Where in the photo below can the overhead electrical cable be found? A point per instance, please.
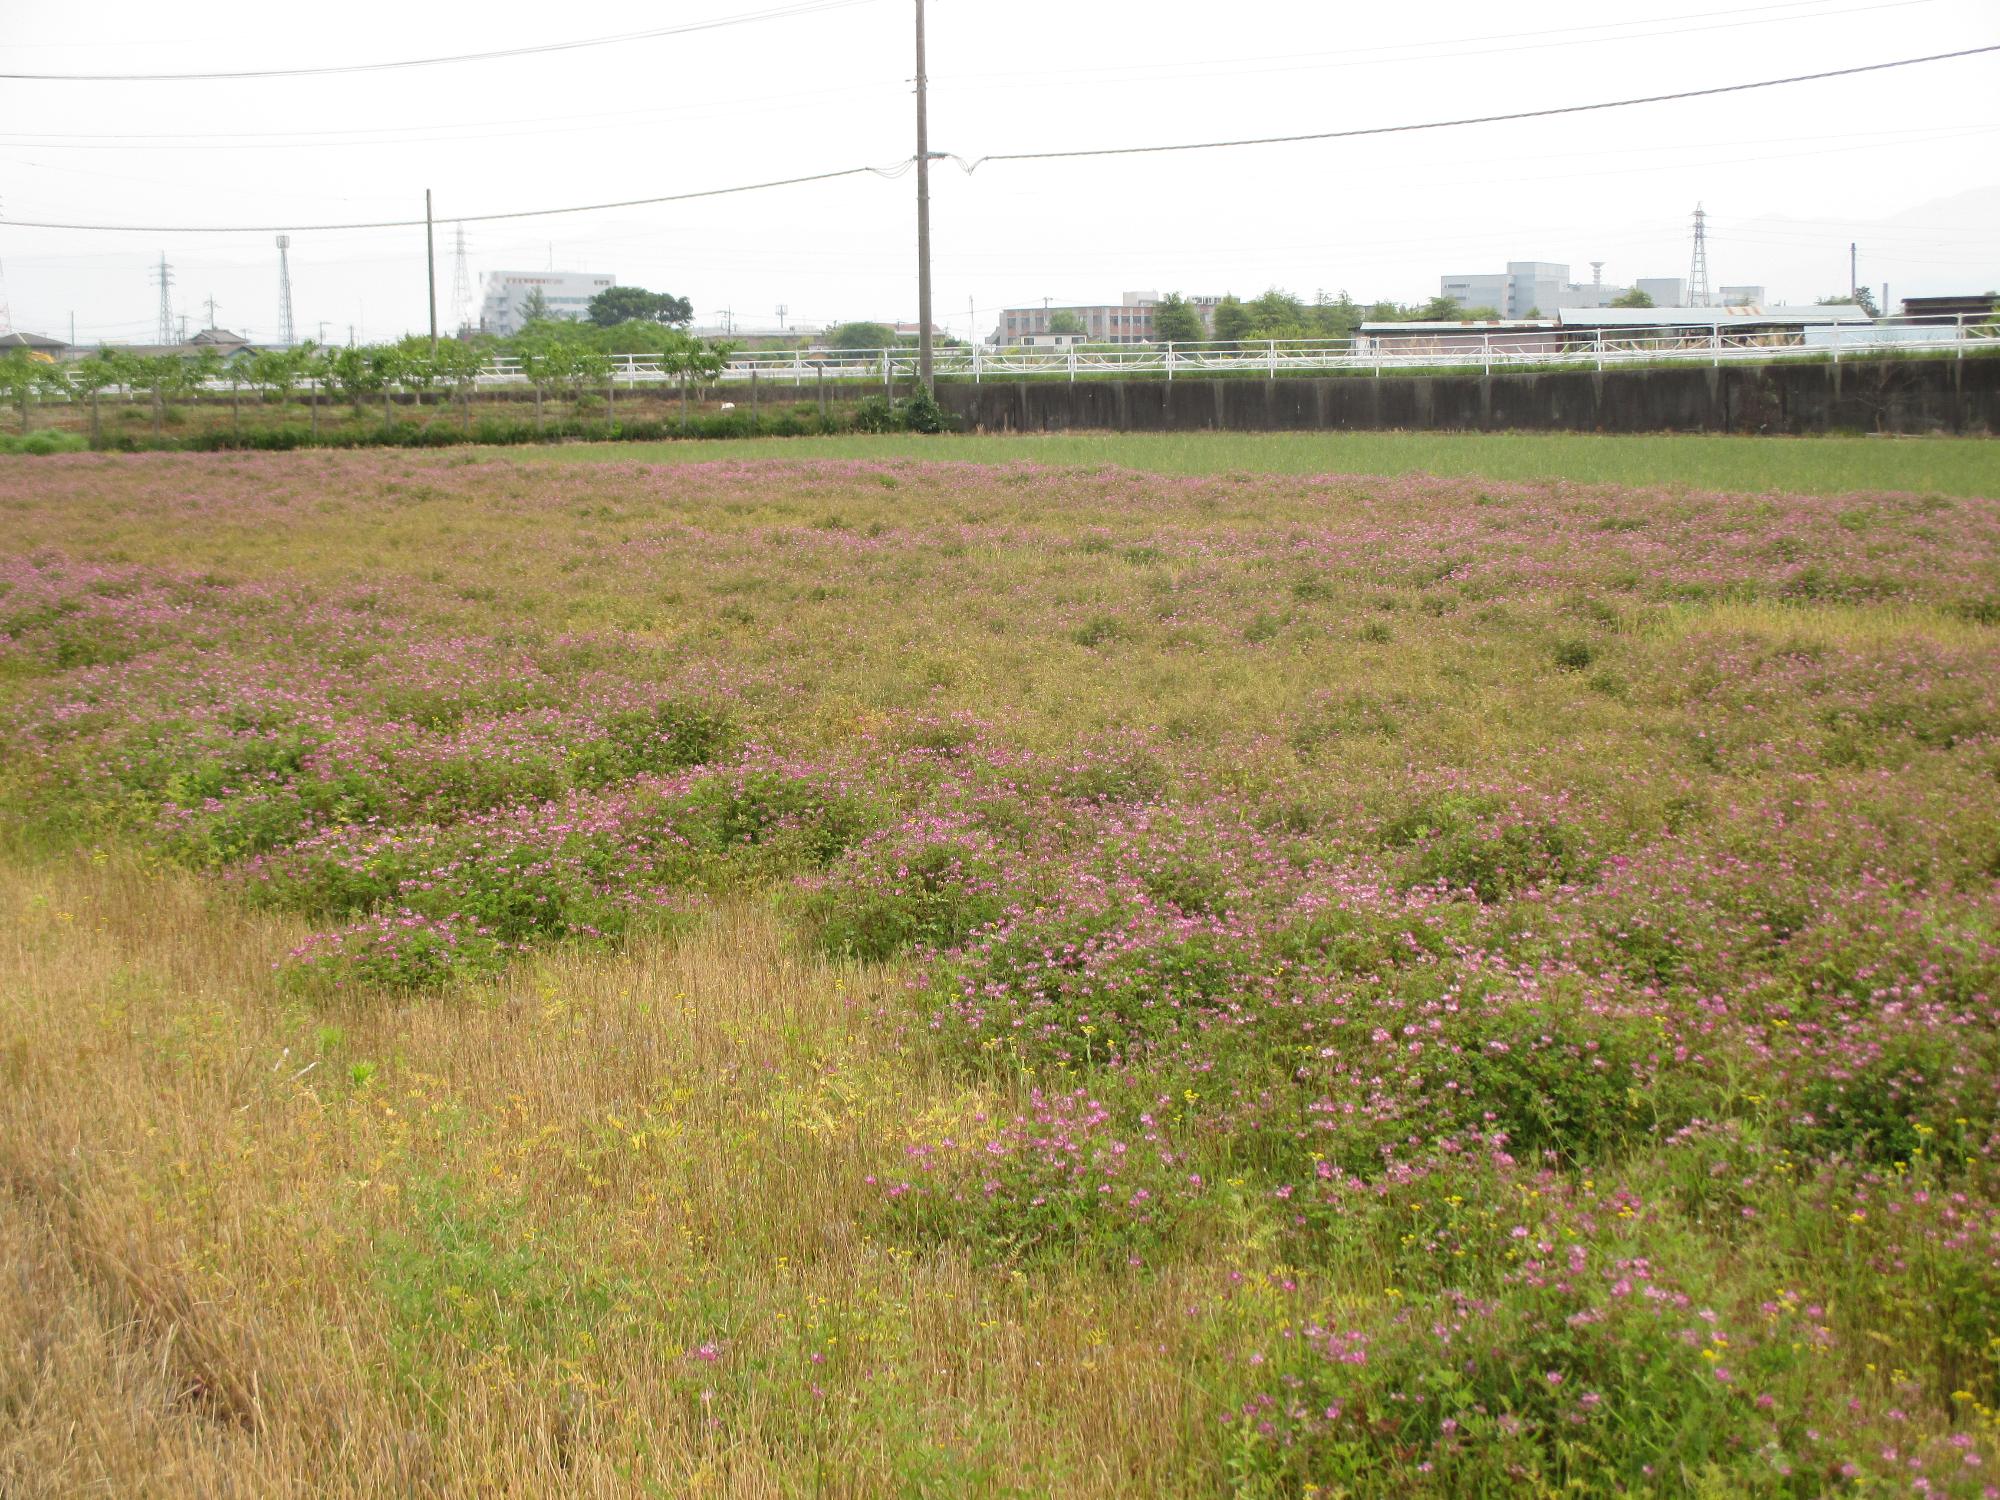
(713, 23)
(1425, 52)
(1523, 114)
(520, 213)
(903, 166)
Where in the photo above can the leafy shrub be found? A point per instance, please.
(925, 887)
(1574, 655)
(666, 737)
(43, 442)
(402, 951)
(1455, 841)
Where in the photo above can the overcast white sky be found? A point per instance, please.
(1904, 162)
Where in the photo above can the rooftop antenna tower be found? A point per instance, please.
(285, 338)
(163, 276)
(461, 284)
(1698, 269)
(1597, 273)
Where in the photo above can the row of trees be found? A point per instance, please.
(1281, 315)
(553, 354)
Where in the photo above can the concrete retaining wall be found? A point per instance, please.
(1878, 395)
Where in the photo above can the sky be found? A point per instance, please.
(1902, 163)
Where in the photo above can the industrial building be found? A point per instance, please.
(1537, 288)
(1127, 321)
(565, 294)
(1527, 288)
(1572, 326)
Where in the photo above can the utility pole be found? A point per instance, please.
(431, 270)
(923, 214)
(1853, 269)
(285, 293)
(209, 301)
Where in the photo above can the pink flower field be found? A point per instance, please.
(898, 977)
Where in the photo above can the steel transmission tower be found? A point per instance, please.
(163, 275)
(285, 291)
(1698, 270)
(461, 285)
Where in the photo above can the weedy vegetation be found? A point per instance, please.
(863, 976)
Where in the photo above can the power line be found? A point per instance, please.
(1525, 114)
(524, 213)
(1359, 57)
(714, 23)
(905, 165)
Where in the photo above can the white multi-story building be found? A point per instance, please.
(1527, 289)
(565, 294)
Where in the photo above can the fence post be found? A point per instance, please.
(1598, 344)
(1072, 364)
(1715, 344)
(1486, 351)
(975, 363)
(1272, 364)
(888, 376)
(1170, 359)
(1836, 343)
(1958, 335)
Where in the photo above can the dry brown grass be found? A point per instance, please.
(198, 1195)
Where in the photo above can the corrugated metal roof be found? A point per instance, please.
(1490, 325)
(1710, 317)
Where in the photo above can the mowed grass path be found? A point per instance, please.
(1798, 466)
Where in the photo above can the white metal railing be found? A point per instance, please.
(1486, 350)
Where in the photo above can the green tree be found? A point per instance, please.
(690, 361)
(1232, 320)
(1335, 317)
(458, 364)
(534, 308)
(1633, 298)
(1065, 322)
(1277, 315)
(21, 378)
(1177, 321)
(1861, 297)
(1439, 310)
(557, 355)
(634, 304)
(279, 371)
(355, 372)
(860, 336)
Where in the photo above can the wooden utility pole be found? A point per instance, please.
(923, 214)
